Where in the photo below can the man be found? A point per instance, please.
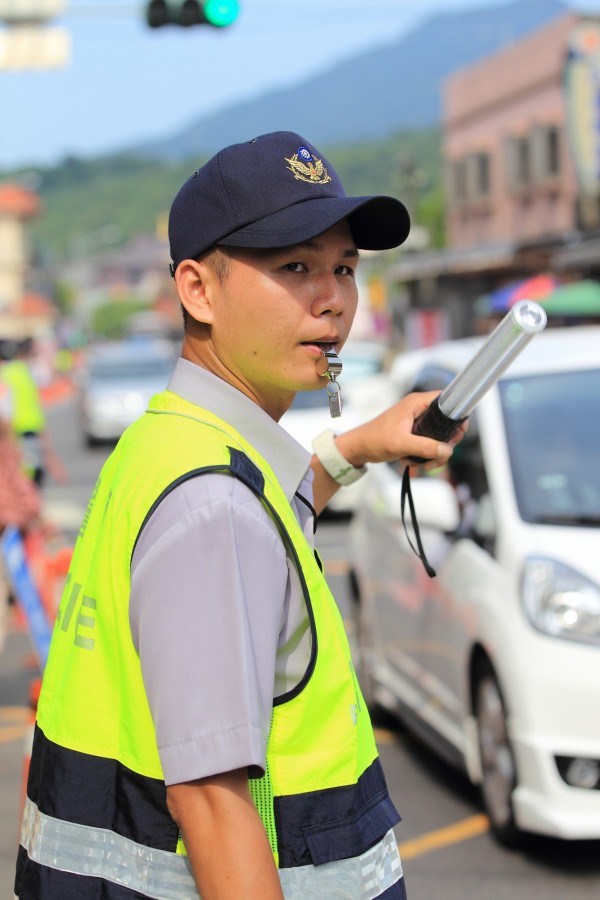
(200, 728)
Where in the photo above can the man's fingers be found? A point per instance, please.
(429, 449)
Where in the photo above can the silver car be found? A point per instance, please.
(117, 382)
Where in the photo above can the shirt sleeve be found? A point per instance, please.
(208, 588)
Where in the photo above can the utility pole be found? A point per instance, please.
(27, 41)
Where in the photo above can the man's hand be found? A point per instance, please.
(225, 838)
(387, 438)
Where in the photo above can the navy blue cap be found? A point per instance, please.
(274, 191)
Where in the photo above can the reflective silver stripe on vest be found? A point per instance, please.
(98, 852)
(363, 877)
(84, 850)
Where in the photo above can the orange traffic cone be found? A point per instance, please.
(48, 570)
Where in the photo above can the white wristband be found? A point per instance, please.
(332, 460)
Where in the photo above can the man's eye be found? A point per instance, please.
(345, 270)
(295, 267)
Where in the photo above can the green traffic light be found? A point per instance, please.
(217, 13)
(221, 13)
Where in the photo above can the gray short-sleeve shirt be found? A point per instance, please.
(216, 608)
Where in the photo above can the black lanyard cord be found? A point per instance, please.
(407, 494)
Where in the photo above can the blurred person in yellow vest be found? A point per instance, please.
(28, 419)
(20, 505)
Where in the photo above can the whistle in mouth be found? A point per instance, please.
(329, 365)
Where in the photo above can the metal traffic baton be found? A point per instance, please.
(444, 416)
(442, 419)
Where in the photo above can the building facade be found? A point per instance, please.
(17, 207)
(521, 150)
(509, 172)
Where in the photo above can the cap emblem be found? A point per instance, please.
(306, 167)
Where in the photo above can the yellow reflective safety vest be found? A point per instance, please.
(95, 813)
(27, 413)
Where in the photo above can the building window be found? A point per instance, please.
(457, 182)
(534, 159)
(546, 142)
(518, 162)
(523, 161)
(469, 178)
(478, 176)
(482, 174)
(553, 144)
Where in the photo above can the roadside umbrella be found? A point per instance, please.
(536, 288)
(579, 298)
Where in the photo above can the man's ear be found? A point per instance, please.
(194, 285)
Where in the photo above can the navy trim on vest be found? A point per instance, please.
(313, 511)
(339, 823)
(248, 472)
(318, 560)
(34, 881)
(64, 784)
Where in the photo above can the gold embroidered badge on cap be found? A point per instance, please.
(306, 167)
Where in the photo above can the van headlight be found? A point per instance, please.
(560, 601)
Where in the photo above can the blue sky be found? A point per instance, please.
(127, 83)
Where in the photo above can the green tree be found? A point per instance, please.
(111, 319)
(430, 213)
(64, 297)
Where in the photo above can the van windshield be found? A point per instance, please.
(553, 432)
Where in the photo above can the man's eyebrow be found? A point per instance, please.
(350, 253)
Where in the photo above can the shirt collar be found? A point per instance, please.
(288, 459)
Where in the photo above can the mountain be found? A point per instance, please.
(380, 138)
(392, 88)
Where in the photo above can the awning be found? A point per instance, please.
(583, 253)
(451, 261)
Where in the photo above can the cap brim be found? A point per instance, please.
(376, 223)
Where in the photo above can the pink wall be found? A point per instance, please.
(504, 96)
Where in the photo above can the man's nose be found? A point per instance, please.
(329, 298)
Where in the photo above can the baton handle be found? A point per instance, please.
(433, 423)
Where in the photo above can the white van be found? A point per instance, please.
(496, 661)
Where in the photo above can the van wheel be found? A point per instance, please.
(497, 758)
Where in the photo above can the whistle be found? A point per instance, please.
(329, 365)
